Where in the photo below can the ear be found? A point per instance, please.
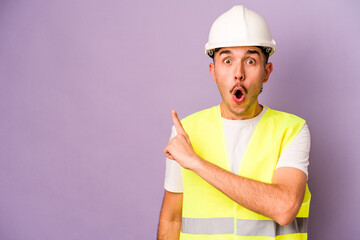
(212, 71)
(268, 70)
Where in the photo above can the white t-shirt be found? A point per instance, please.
(237, 136)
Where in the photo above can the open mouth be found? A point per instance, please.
(238, 95)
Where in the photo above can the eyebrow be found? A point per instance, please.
(225, 52)
(247, 52)
(252, 52)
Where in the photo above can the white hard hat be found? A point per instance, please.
(240, 27)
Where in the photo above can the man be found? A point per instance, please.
(243, 165)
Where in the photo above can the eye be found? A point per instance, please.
(250, 61)
(227, 60)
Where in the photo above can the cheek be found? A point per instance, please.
(222, 86)
(224, 75)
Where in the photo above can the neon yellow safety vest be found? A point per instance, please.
(207, 213)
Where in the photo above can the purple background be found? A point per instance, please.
(86, 90)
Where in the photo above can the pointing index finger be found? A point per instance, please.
(178, 126)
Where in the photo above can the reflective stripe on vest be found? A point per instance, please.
(245, 227)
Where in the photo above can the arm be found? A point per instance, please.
(279, 200)
(170, 216)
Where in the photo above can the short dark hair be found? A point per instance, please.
(266, 53)
(264, 50)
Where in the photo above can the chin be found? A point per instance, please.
(238, 110)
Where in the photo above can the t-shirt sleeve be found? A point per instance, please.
(173, 178)
(296, 155)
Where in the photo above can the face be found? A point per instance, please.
(239, 73)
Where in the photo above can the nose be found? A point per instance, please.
(239, 73)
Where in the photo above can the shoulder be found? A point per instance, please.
(285, 124)
(276, 115)
(281, 114)
(200, 115)
(201, 121)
